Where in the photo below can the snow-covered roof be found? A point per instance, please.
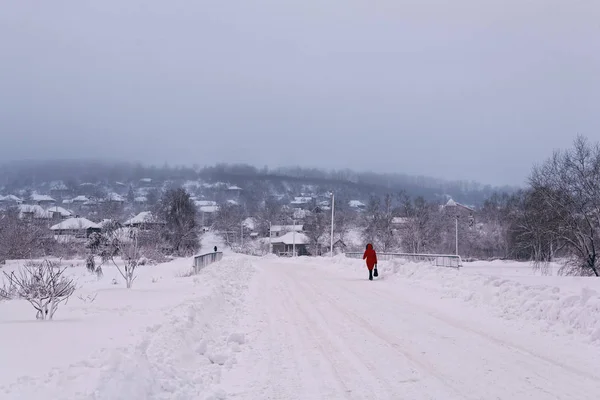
(62, 211)
(37, 211)
(234, 187)
(452, 203)
(356, 204)
(291, 238)
(146, 180)
(249, 223)
(80, 199)
(233, 202)
(41, 197)
(202, 203)
(142, 218)
(115, 197)
(75, 224)
(141, 199)
(301, 200)
(209, 209)
(10, 197)
(281, 228)
(67, 201)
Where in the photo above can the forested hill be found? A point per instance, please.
(41, 175)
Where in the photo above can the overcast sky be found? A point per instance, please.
(457, 89)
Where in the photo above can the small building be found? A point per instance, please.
(59, 213)
(75, 227)
(143, 221)
(357, 204)
(9, 201)
(30, 212)
(42, 199)
(280, 230)
(284, 245)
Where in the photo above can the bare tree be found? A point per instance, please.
(44, 286)
(19, 239)
(109, 245)
(178, 212)
(420, 228)
(315, 227)
(567, 186)
(228, 221)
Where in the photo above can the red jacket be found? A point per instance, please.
(370, 256)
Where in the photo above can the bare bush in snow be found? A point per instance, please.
(109, 246)
(43, 285)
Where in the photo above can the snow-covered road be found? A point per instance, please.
(315, 332)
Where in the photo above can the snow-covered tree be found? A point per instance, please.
(43, 285)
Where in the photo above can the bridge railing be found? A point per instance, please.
(202, 260)
(439, 260)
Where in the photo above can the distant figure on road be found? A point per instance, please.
(215, 249)
(371, 258)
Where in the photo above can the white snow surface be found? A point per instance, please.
(309, 328)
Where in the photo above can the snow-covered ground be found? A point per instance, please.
(310, 328)
(166, 338)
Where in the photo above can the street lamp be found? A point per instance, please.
(332, 214)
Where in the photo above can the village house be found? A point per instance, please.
(42, 199)
(284, 245)
(280, 230)
(143, 221)
(74, 228)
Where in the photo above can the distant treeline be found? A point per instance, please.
(33, 174)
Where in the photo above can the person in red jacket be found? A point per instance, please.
(371, 258)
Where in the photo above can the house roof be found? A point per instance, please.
(10, 197)
(203, 203)
(291, 238)
(249, 223)
(62, 211)
(41, 197)
(209, 209)
(356, 203)
(75, 224)
(280, 228)
(37, 211)
(141, 218)
(452, 203)
(81, 199)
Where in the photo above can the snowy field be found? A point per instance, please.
(309, 328)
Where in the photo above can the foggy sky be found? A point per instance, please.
(462, 89)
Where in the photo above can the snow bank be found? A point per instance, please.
(168, 337)
(511, 290)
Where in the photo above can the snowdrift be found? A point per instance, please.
(560, 304)
(168, 337)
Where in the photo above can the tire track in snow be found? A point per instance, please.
(367, 363)
(391, 342)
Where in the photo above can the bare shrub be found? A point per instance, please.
(109, 246)
(43, 285)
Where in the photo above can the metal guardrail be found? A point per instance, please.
(203, 260)
(439, 260)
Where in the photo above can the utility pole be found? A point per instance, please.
(242, 234)
(270, 239)
(294, 239)
(332, 215)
